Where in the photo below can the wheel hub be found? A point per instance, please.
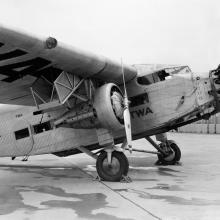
(169, 151)
(170, 157)
(113, 168)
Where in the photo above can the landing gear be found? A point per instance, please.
(168, 151)
(173, 153)
(112, 164)
(113, 170)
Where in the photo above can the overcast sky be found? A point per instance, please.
(140, 31)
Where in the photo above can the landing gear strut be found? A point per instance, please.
(112, 170)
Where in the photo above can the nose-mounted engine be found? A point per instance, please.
(105, 110)
(215, 74)
(215, 77)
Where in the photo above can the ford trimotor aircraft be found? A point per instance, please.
(72, 101)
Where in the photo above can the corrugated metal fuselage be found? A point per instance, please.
(155, 107)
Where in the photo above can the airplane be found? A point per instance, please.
(67, 101)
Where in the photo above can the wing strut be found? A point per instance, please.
(57, 94)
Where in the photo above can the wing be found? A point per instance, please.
(25, 58)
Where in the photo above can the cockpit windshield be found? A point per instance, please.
(163, 74)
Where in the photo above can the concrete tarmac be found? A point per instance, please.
(48, 187)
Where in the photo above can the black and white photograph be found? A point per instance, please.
(110, 110)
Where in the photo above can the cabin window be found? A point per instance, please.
(146, 79)
(23, 133)
(39, 128)
(138, 100)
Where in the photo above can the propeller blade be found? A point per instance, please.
(126, 114)
(127, 124)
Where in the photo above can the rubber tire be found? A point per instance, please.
(176, 158)
(124, 166)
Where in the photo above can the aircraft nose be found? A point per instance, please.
(217, 85)
(215, 75)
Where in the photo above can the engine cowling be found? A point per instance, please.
(108, 105)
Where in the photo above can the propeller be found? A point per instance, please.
(126, 114)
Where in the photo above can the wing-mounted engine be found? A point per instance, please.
(104, 110)
(108, 104)
(86, 104)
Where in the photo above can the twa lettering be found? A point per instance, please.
(141, 112)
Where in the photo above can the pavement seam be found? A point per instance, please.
(137, 205)
(129, 200)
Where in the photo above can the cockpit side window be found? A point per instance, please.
(163, 74)
(145, 80)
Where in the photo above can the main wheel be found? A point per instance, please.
(112, 172)
(174, 154)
